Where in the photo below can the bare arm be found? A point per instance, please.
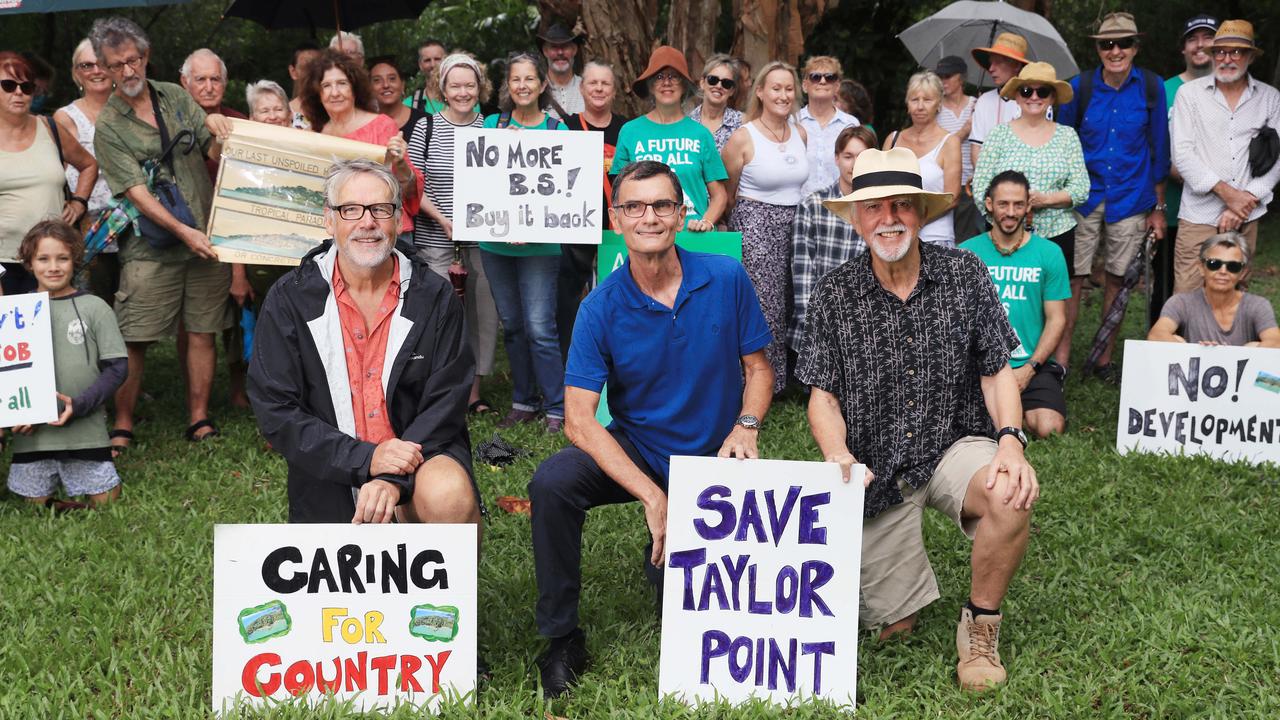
(1269, 338)
(829, 430)
(1165, 330)
(756, 397)
(717, 203)
(950, 156)
(1004, 402)
(80, 159)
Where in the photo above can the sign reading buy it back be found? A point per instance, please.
(378, 614)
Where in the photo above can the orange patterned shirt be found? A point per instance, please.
(366, 349)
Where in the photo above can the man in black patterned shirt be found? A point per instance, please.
(906, 350)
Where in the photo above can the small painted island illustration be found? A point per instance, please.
(284, 245)
(263, 622)
(292, 197)
(434, 623)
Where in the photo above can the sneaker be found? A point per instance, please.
(1107, 373)
(555, 425)
(978, 645)
(515, 417)
(564, 660)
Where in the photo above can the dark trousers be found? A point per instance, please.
(1162, 271)
(563, 488)
(577, 268)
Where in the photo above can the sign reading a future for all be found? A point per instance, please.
(1221, 401)
(377, 614)
(28, 395)
(761, 588)
(528, 186)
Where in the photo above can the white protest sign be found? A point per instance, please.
(28, 395)
(761, 590)
(1221, 401)
(381, 614)
(528, 186)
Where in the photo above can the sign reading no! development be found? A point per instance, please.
(378, 614)
(760, 597)
(528, 186)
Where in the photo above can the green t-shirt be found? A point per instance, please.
(84, 332)
(1034, 274)
(528, 249)
(687, 146)
(1172, 188)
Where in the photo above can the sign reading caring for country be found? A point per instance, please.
(28, 395)
(1221, 401)
(528, 186)
(760, 597)
(378, 614)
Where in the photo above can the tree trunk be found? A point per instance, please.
(692, 29)
(620, 32)
(775, 29)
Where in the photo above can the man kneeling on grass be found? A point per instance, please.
(361, 370)
(906, 350)
(671, 331)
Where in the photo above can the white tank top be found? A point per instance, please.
(776, 172)
(84, 133)
(941, 231)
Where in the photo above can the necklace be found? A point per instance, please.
(782, 145)
(1018, 246)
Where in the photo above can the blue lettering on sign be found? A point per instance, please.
(763, 658)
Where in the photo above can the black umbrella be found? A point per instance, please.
(340, 14)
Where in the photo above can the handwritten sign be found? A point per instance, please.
(528, 186)
(268, 203)
(760, 597)
(378, 614)
(28, 395)
(1220, 401)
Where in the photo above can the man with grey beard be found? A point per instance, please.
(361, 370)
(906, 352)
(1214, 121)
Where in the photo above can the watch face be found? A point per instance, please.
(749, 421)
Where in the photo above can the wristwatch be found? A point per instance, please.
(1036, 365)
(1014, 431)
(750, 422)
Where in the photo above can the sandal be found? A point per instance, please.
(191, 436)
(480, 407)
(117, 449)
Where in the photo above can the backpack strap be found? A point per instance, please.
(552, 122)
(57, 139)
(426, 144)
(1083, 94)
(504, 120)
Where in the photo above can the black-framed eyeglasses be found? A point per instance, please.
(714, 80)
(1233, 266)
(1041, 91)
(354, 211)
(1122, 43)
(28, 87)
(665, 76)
(1235, 52)
(821, 77)
(134, 63)
(635, 208)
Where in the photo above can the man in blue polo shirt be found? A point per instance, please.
(1119, 112)
(672, 332)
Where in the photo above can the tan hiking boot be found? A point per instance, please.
(978, 644)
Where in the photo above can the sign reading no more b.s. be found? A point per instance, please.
(527, 186)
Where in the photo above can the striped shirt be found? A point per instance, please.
(436, 165)
(952, 123)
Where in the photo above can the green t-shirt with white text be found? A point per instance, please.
(1025, 280)
(686, 146)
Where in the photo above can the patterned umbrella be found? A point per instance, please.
(1140, 265)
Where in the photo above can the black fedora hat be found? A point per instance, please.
(558, 33)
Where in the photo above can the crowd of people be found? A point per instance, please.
(921, 285)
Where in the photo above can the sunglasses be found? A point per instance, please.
(1043, 92)
(1122, 43)
(820, 77)
(1233, 266)
(28, 87)
(714, 80)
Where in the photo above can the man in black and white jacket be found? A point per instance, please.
(361, 370)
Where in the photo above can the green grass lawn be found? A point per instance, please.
(1147, 590)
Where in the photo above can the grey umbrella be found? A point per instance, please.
(16, 7)
(962, 26)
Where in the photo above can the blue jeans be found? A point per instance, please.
(524, 289)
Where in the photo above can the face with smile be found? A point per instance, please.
(52, 266)
(1117, 60)
(776, 93)
(1008, 207)
(1034, 106)
(205, 82)
(598, 88)
(89, 73)
(335, 92)
(365, 242)
(127, 68)
(1222, 279)
(269, 108)
(388, 86)
(1196, 49)
(524, 85)
(429, 58)
(1231, 64)
(1002, 69)
(461, 88)
(650, 232)
(560, 57)
(888, 225)
(718, 95)
(667, 87)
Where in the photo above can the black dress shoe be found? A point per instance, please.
(564, 660)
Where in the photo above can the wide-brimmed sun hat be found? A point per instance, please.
(1007, 44)
(1038, 73)
(888, 173)
(662, 56)
(559, 35)
(1236, 34)
(1117, 25)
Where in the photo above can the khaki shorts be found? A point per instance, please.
(1187, 272)
(1123, 238)
(897, 579)
(154, 296)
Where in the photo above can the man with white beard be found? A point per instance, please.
(361, 370)
(906, 352)
(1214, 121)
(560, 46)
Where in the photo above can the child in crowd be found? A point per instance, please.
(90, 362)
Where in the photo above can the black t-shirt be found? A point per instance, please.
(406, 130)
(577, 122)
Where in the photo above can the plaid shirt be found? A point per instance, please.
(822, 242)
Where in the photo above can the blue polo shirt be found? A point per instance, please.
(674, 374)
(1118, 135)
